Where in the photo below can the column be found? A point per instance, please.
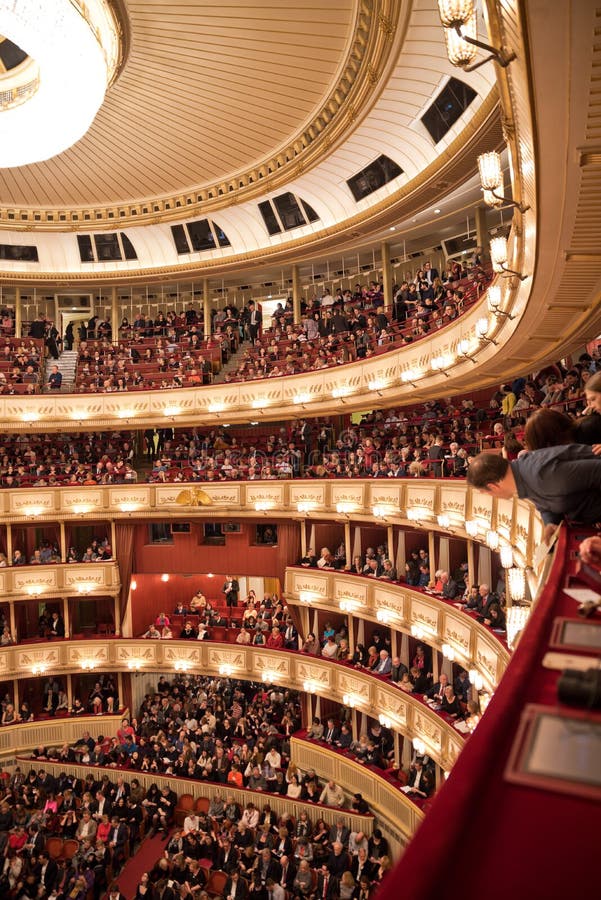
(406, 753)
(63, 542)
(443, 553)
(394, 643)
(397, 749)
(206, 309)
(390, 542)
(386, 273)
(69, 691)
(114, 316)
(296, 294)
(432, 554)
(471, 567)
(351, 633)
(303, 537)
(435, 665)
(9, 543)
(18, 313)
(113, 539)
(120, 692)
(308, 709)
(482, 231)
(354, 725)
(12, 620)
(404, 651)
(16, 700)
(117, 615)
(347, 544)
(66, 615)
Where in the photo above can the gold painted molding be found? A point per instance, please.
(440, 622)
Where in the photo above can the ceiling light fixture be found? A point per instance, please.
(51, 99)
(462, 45)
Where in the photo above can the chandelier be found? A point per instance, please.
(71, 52)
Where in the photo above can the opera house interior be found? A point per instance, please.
(300, 397)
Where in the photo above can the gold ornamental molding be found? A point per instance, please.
(407, 502)
(409, 716)
(17, 739)
(379, 28)
(401, 609)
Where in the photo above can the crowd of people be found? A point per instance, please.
(233, 734)
(101, 699)
(48, 460)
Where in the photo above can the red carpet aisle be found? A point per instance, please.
(150, 850)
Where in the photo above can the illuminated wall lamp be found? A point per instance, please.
(306, 598)
(39, 669)
(80, 509)
(264, 505)
(491, 179)
(492, 539)
(459, 20)
(226, 670)
(517, 584)
(498, 255)
(439, 364)
(165, 577)
(344, 507)
(88, 665)
(448, 652)
(129, 507)
(350, 700)
(443, 520)
(216, 407)
(385, 721)
(80, 415)
(309, 686)
(133, 585)
(181, 665)
(385, 616)
(517, 616)
(419, 746)
(418, 631)
(306, 506)
(476, 679)
(377, 385)
(381, 510)
(410, 376)
(134, 665)
(33, 511)
(494, 302)
(506, 554)
(464, 350)
(269, 676)
(172, 411)
(339, 392)
(349, 606)
(30, 417)
(301, 399)
(471, 528)
(34, 590)
(260, 403)
(85, 587)
(126, 413)
(482, 329)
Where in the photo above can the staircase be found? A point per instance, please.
(67, 365)
(232, 363)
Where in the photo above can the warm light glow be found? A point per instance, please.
(517, 584)
(39, 669)
(471, 527)
(172, 410)
(181, 665)
(411, 375)
(309, 686)
(418, 632)
(216, 407)
(498, 250)
(88, 664)
(350, 700)
(34, 511)
(476, 679)
(385, 721)
(418, 513)
(129, 507)
(506, 554)
(80, 509)
(448, 652)
(75, 56)
(377, 384)
(461, 53)
(492, 539)
(443, 520)
(34, 590)
(384, 615)
(419, 746)
(495, 200)
(269, 676)
(264, 505)
(455, 12)
(464, 346)
(134, 665)
(165, 577)
(125, 413)
(342, 391)
(306, 598)
(302, 398)
(517, 616)
(345, 507)
(305, 506)
(381, 510)
(349, 606)
(260, 403)
(494, 297)
(30, 416)
(491, 172)
(482, 327)
(85, 587)
(226, 670)
(134, 585)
